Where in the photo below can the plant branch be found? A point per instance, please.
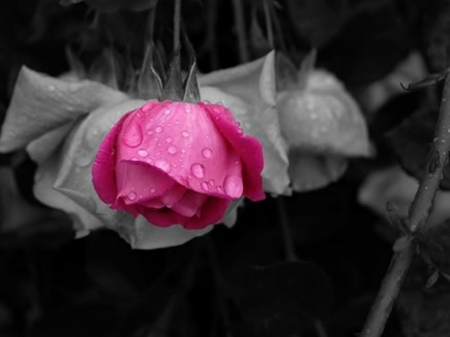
(241, 32)
(288, 244)
(176, 26)
(269, 26)
(405, 247)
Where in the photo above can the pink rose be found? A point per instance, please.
(178, 163)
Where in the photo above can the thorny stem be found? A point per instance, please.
(176, 26)
(241, 33)
(269, 26)
(288, 243)
(419, 211)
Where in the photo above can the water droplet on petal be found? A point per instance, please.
(204, 186)
(150, 132)
(158, 129)
(51, 88)
(188, 109)
(134, 159)
(233, 186)
(132, 135)
(167, 112)
(211, 182)
(142, 153)
(177, 122)
(153, 191)
(132, 196)
(172, 149)
(240, 131)
(169, 140)
(183, 151)
(163, 165)
(198, 170)
(219, 189)
(185, 134)
(207, 152)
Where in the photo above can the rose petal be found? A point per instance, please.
(145, 236)
(84, 221)
(323, 118)
(312, 171)
(211, 212)
(247, 147)
(41, 103)
(43, 147)
(182, 141)
(189, 204)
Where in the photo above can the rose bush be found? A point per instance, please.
(178, 163)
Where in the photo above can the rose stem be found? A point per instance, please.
(419, 211)
(288, 243)
(176, 26)
(211, 33)
(241, 33)
(269, 26)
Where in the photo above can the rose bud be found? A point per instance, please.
(178, 163)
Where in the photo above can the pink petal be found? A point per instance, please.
(103, 172)
(163, 218)
(139, 181)
(247, 147)
(211, 212)
(189, 204)
(181, 140)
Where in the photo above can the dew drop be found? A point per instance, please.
(204, 186)
(233, 186)
(142, 153)
(163, 165)
(188, 109)
(132, 135)
(158, 129)
(198, 170)
(183, 151)
(153, 191)
(172, 149)
(150, 132)
(207, 152)
(219, 189)
(177, 122)
(211, 182)
(134, 159)
(167, 112)
(51, 88)
(185, 134)
(169, 140)
(132, 196)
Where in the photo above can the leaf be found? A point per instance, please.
(248, 91)
(41, 103)
(410, 142)
(284, 298)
